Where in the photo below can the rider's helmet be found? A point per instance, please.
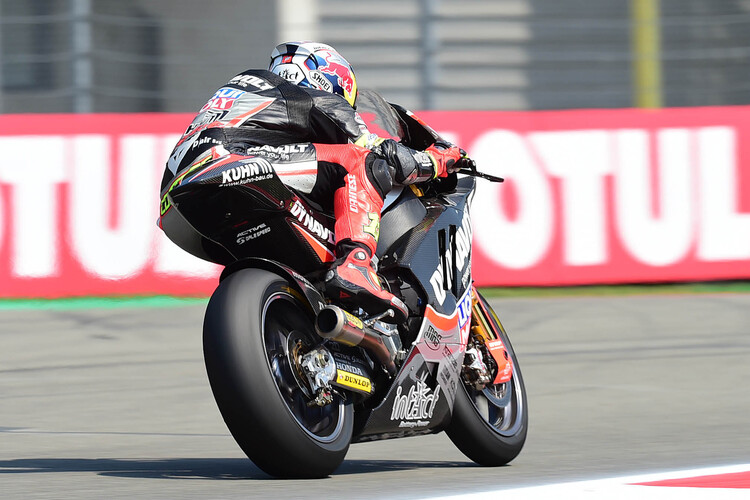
(315, 65)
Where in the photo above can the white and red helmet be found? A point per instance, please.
(315, 65)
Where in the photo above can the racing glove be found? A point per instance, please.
(465, 162)
(409, 166)
(446, 158)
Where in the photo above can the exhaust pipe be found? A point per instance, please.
(334, 323)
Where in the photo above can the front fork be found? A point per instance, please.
(486, 361)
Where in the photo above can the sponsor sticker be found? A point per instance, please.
(354, 381)
(313, 225)
(337, 66)
(321, 80)
(254, 169)
(354, 320)
(223, 99)
(415, 408)
(461, 243)
(250, 80)
(464, 309)
(353, 202)
(432, 338)
(252, 233)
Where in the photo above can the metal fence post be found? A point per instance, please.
(429, 50)
(82, 64)
(646, 43)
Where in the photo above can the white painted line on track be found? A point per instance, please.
(706, 484)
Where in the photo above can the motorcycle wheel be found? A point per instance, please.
(253, 324)
(489, 426)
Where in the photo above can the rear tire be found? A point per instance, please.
(246, 343)
(490, 426)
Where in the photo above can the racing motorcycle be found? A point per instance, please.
(297, 377)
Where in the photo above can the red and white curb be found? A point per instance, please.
(716, 483)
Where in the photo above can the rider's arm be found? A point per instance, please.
(410, 166)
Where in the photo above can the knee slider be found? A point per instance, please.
(378, 174)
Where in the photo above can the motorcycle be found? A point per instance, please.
(298, 378)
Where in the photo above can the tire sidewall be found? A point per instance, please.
(245, 389)
(474, 436)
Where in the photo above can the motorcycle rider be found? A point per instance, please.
(308, 98)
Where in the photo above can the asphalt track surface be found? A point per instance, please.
(114, 403)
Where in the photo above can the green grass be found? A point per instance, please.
(100, 302)
(609, 290)
(567, 291)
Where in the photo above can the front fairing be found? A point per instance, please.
(437, 254)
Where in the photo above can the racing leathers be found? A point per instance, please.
(320, 147)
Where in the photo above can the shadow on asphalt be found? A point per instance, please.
(197, 468)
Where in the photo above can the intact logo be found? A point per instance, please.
(223, 99)
(416, 407)
(313, 225)
(254, 169)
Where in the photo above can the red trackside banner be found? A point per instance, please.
(595, 196)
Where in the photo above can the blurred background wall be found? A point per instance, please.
(168, 55)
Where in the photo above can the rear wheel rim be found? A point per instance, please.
(283, 316)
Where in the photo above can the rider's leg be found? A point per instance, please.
(357, 204)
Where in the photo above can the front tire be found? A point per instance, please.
(253, 323)
(490, 426)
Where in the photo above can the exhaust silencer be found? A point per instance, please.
(334, 323)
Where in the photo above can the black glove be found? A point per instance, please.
(465, 162)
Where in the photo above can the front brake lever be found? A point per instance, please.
(476, 173)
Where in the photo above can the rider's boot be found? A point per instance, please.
(352, 280)
(357, 206)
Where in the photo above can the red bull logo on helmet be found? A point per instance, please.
(335, 65)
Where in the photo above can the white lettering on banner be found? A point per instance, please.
(102, 250)
(522, 242)
(662, 240)
(171, 259)
(724, 234)
(580, 159)
(32, 229)
(677, 204)
(34, 178)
